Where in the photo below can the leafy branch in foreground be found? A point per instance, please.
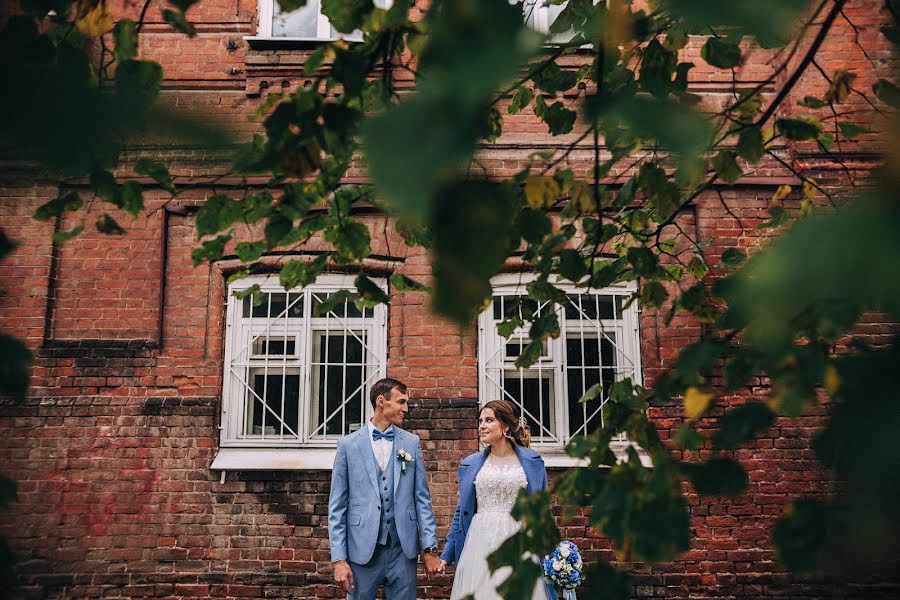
(778, 313)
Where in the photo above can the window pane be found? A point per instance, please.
(281, 304)
(337, 383)
(590, 306)
(532, 391)
(322, 308)
(588, 361)
(507, 307)
(280, 391)
(274, 346)
(301, 22)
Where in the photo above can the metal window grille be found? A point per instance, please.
(598, 343)
(298, 371)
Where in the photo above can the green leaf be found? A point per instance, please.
(298, 273)
(107, 225)
(250, 251)
(277, 228)
(551, 79)
(64, 236)
(350, 239)
(687, 437)
(15, 363)
(541, 191)
(402, 283)
(721, 53)
(742, 424)
(726, 167)
(65, 203)
(509, 326)
(557, 117)
(887, 92)
(732, 258)
(211, 250)
(591, 393)
(533, 225)
(126, 40)
(138, 81)
(315, 60)
(652, 293)
(370, 292)
(9, 489)
(129, 197)
(840, 87)
(347, 15)
(717, 477)
(520, 100)
(851, 130)
(778, 217)
(799, 129)
(643, 260)
(802, 535)
(217, 213)
(750, 145)
(657, 67)
(811, 102)
(157, 171)
(333, 301)
(7, 245)
(662, 193)
(179, 22)
(471, 226)
(697, 267)
(572, 265)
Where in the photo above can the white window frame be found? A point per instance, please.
(242, 450)
(324, 31)
(492, 359)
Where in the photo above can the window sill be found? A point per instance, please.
(556, 459)
(273, 459)
(267, 42)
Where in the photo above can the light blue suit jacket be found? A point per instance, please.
(354, 505)
(535, 473)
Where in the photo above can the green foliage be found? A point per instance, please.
(716, 477)
(721, 53)
(15, 363)
(799, 129)
(741, 424)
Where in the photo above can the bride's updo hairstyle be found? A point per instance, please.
(518, 433)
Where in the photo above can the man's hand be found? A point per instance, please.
(343, 575)
(432, 563)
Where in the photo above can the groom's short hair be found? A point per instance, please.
(383, 387)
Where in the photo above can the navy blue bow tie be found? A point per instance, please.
(388, 435)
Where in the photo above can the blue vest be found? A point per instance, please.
(387, 529)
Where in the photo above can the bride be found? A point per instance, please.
(489, 482)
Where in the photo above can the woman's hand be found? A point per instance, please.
(441, 566)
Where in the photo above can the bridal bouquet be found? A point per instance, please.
(563, 568)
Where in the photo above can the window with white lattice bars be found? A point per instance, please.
(298, 365)
(598, 344)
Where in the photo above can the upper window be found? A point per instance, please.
(598, 344)
(298, 366)
(304, 23)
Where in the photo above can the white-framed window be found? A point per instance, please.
(297, 375)
(598, 343)
(305, 23)
(540, 15)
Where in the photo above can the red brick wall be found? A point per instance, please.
(113, 447)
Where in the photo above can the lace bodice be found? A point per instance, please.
(498, 482)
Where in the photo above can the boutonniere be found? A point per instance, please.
(404, 457)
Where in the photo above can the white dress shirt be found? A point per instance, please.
(381, 448)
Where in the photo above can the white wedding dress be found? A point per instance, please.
(496, 487)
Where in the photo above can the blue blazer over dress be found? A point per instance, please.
(535, 474)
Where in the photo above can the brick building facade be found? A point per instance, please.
(114, 449)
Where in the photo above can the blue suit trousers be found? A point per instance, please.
(388, 566)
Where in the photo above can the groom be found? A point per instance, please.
(380, 503)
